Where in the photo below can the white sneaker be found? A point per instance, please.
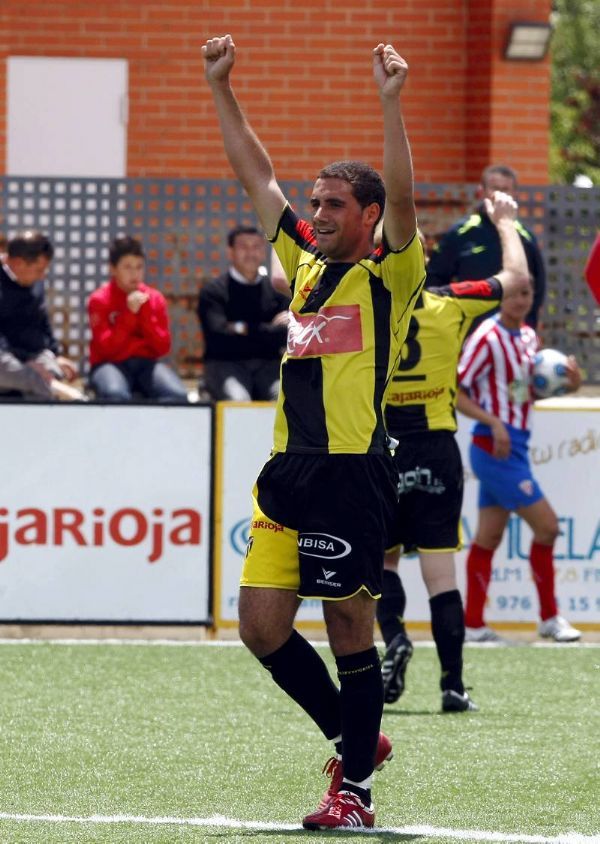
(65, 392)
(483, 634)
(559, 629)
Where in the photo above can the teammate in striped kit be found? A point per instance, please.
(495, 379)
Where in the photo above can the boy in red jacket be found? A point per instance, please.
(130, 333)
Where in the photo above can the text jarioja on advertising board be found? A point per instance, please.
(105, 513)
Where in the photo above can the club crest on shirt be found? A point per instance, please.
(526, 486)
(333, 330)
(518, 391)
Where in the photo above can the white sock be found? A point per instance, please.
(366, 783)
(335, 741)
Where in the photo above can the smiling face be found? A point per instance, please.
(128, 272)
(343, 230)
(247, 254)
(515, 306)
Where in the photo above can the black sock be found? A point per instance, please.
(448, 629)
(361, 697)
(298, 669)
(391, 606)
(363, 793)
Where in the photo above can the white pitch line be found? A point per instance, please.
(233, 823)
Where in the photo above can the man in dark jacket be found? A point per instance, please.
(244, 321)
(471, 248)
(30, 361)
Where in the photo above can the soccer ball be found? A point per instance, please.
(549, 374)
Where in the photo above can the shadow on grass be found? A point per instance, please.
(408, 712)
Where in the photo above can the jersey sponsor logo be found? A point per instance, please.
(323, 545)
(328, 581)
(333, 584)
(332, 331)
(420, 478)
(305, 292)
(261, 524)
(416, 396)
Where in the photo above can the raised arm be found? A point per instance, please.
(400, 220)
(247, 156)
(502, 211)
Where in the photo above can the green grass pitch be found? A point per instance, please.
(142, 735)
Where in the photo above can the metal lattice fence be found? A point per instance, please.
(183, 225)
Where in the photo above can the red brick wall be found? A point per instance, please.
(507, 117)
(303, 75)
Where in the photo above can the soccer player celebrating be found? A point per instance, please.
(323, 500)
(495, 380)
(420, 413)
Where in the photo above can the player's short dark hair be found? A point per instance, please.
(122, 246)
(238, 230)
(30, 245)
(499, 170)
(366, 183)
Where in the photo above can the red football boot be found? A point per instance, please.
(345, 809)
(335, 769)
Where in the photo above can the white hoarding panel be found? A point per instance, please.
(566, 457)
(105, 513)
(246, 437)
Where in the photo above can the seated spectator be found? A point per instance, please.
(130, 333)
(30, 363)
(244, 320)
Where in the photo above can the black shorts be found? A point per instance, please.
(430, 493)
(341, 506)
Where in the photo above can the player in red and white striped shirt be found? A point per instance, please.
(495, 378)
(496, 367)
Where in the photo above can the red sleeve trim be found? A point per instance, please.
(484, 289)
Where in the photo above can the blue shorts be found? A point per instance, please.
(505, 483)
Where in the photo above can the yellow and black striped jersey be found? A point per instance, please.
(347, 325)
(422, 394)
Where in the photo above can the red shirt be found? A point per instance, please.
(118, 334)
(592, 269)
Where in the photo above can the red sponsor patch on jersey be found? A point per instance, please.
(331, 331)
(305, 292)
